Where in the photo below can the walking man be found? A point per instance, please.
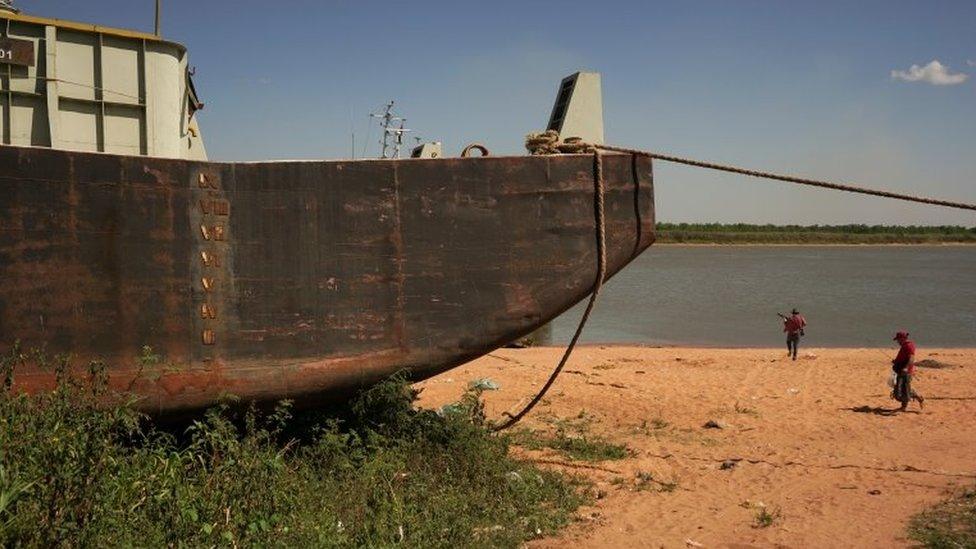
(904, 367)
(793, 326)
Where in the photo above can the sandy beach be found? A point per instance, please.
(812, 441)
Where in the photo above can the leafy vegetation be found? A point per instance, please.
(950, 524)
(75, 472)
(745, 233)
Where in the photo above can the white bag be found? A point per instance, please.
(892, 380)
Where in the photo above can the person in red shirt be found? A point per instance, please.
(793, 326)
(904, 367)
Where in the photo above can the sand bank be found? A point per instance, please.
(813, 439)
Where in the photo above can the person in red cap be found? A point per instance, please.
(793, 326)
(904, 367)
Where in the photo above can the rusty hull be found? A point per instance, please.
(300, 280)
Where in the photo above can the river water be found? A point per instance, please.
(851, 296)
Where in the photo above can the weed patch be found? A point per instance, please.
(766, 517)
(578, 424)
(646, 481)
(578, 447)
(643, 481)
(649, 427)
(951, 523)
(587, 449)
(745, 410)
(378, 472)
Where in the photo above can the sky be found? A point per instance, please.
(876, 93)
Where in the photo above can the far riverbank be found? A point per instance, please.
(743, 233)
(818, 244)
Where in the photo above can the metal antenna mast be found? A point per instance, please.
(158, 11)
(387, 121)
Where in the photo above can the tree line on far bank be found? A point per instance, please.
(736, 233)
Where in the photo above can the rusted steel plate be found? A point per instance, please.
(17, 52)
(299, 280)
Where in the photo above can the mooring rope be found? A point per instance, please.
(791, 179)
(549, 143)
(601, 271)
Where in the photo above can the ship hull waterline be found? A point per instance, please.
(301, 280)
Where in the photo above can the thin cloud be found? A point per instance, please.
(971, 63)
(934, 73)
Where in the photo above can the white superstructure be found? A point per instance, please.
(84, 87)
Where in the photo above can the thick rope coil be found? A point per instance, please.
(542, 143)
(601, 272)
(549, 142)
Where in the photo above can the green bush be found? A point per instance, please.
(378, 472)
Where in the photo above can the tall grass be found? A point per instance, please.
(75, 472)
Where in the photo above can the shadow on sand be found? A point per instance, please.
(879, 411)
